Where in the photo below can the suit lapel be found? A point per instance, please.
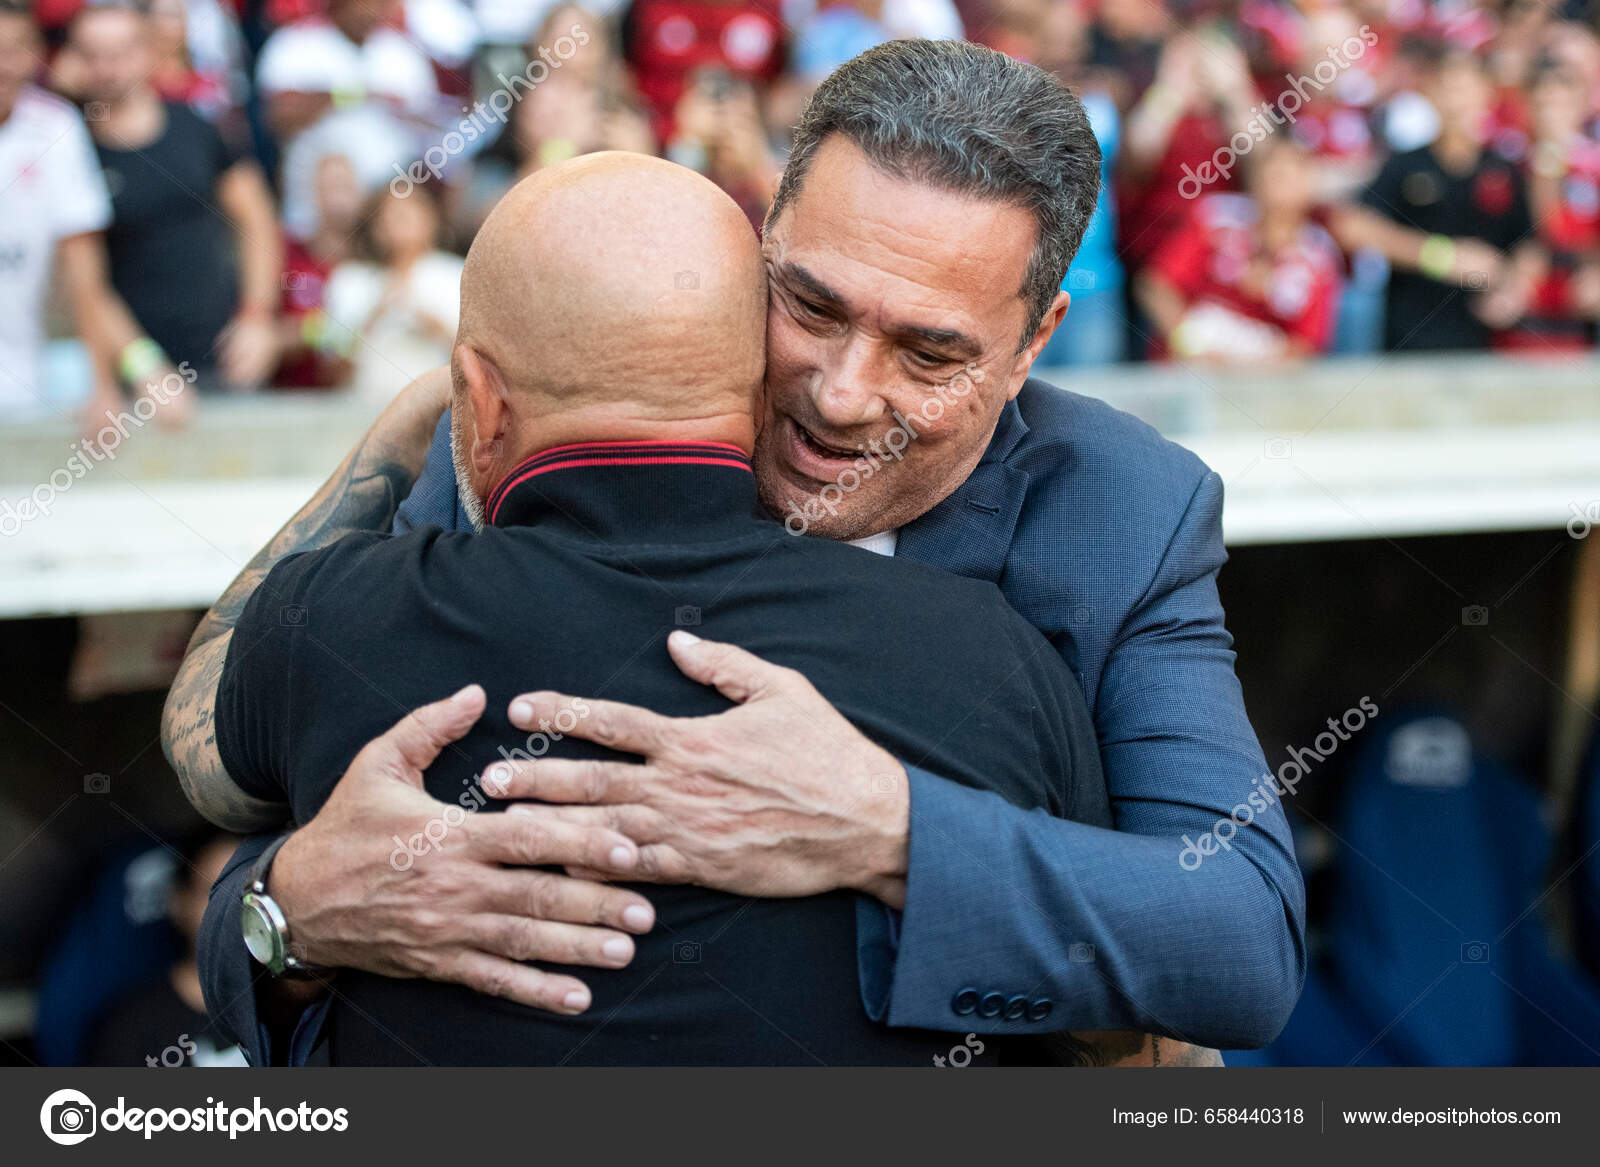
(970, 532)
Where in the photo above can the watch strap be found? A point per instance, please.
(288, 965)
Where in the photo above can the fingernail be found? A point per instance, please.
(496, 778)
(684, 639)
(617, 949)
(638, 917)
(621, 856)
(461, 696)
(577, 1000)
(521, 712)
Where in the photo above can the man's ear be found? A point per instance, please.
(1053, 316)
(491, 414)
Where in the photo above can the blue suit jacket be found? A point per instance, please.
(1108, 538)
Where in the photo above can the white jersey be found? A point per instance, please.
(50, 189)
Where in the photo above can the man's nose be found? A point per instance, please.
(847, 391)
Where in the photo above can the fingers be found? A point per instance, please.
(417, 738)
(637, 825)
(535, 836)
(567, 780)
(522, 939)
(738, 675)
(498, 977)
(608, 723)
(663, 863)
(543, 895)
(658, 863)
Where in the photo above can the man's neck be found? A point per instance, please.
(1457, 150)
(1280, 229)
(133, 122)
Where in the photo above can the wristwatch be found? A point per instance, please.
(266, 932)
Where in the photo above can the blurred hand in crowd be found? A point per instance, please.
(1586, 290)
(248, 348)
(721, 133)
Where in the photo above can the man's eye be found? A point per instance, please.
(810, 309)
(926, 358)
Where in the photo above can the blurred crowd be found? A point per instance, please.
(246, 194)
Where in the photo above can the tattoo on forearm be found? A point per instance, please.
(362, 495)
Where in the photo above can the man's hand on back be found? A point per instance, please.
(468, 912)
(779, 796)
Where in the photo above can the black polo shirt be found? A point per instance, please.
(595, 554)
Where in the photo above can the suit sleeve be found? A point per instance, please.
(227, 974)
(1126, 929)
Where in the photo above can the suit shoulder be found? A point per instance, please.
(1099, 443)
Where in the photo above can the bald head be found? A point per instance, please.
(612, 297)
(619, 278)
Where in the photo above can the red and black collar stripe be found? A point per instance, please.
(589, 454)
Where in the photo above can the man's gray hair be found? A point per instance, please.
(970, 120)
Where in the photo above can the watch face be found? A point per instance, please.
(259, 935)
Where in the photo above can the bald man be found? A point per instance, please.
(605, 380)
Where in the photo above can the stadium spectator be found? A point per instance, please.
(1563, 176)
(1452, 219)
(193, 241)
(305, 363)
(721, 133)
(597, 62)
(1440, 94)
(1202, 94)
(393, 310)
(567, 115)
(1251, 278)
(53, 207)
(202, 68)
(1335, 123)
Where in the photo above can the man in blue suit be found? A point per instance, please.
(931, 205)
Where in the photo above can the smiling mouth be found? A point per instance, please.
(823, 449)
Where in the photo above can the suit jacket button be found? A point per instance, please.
(964, 1002)
(1040, 1009)
(991, 1005)
(1016, 1008)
